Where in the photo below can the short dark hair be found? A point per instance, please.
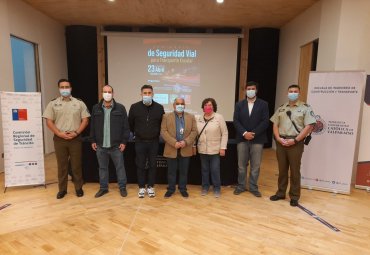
(294, 86)
(252, 83)
(64, 80)
(108, 86)
(146, 86)
(213, 102)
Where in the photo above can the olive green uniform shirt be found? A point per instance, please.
(66, 114)
(301, 113)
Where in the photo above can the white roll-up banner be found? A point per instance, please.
(329, 159)
(23, 138)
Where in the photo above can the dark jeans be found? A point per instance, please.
(146, 152)
(181, 163)
(116, 155)
(210, 165)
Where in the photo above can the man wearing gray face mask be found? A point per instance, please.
(251, 120)
(178, 130)
(109, 134)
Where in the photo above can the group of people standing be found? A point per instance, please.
(184, 135)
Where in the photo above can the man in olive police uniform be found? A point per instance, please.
(292, 122)
(67, 117)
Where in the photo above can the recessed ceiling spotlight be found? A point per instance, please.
(111, 0)
(220, 1)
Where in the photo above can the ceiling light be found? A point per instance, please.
(111, 0)
(220, 1)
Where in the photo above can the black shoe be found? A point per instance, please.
(80, 193)
(101, 192)
(238, 191)
(184, 193)
(293, 202)
(276, 198)
(168, 194)
(61, 194)
(256, 193)
(123, 192)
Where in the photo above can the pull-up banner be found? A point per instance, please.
(23, 139)
(328, 161)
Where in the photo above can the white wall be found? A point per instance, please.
(19, 19)
(302, 30)
(353, 53)
(5, 65)
(343, 29)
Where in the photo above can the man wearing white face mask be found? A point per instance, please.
(251, 120)
(67, 117)
(145, 122)
(292, 122)
(179, 130)
(109, 133)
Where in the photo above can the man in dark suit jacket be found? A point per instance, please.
(179, 130)
(251, 120)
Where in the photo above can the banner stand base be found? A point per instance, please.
(40, 185)
(33, 185)
(334, 191)
(367, 188)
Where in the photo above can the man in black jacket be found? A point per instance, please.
(251, 120)
(109, 133)
(145, 122)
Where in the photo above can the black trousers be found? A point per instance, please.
(146, 160)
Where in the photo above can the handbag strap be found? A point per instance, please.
(202, 130)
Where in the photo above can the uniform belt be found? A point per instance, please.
(288, 136)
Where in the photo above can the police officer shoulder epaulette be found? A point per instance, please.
(307, 105)
(281, 105)
(78, 98)
(54, 99)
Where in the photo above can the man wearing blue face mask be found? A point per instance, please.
(145, 122)
(292, 122)
(67, 117)
(251, 120)
(179, 130)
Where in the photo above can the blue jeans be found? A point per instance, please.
(116, 155)
(249, 152)
(181, 163)
(210, 164)
(146, 152)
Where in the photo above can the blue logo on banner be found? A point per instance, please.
(15, 114)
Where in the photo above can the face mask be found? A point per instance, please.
(107, 97)
(293, 96)
(180, 108)
(250, 93)
(65, 92)
(147, 100)
(207, 109)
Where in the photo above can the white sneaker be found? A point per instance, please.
(151, 192)
(217, 193)
(204, 192)
(141, 193)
